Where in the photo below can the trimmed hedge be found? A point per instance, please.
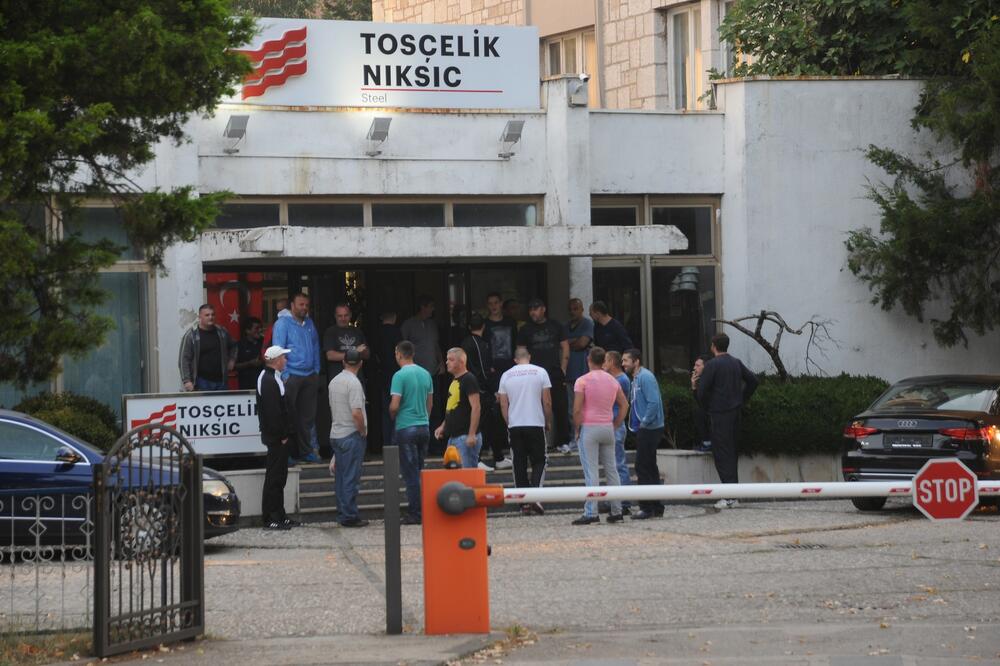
(81, 416)
(806, 415)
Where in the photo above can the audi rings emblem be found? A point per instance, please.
(908, 423)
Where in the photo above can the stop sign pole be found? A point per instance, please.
(945, 489)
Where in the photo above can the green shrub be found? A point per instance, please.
(806, 415)
(87, 427)
(81, 416)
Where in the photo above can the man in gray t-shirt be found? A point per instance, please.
(348, 433)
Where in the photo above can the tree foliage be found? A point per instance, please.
(344, 10)
(938, 244)
(817, 37)
(88, 88)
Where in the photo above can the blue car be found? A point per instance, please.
(46, 489)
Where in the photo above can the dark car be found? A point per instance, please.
(46, 486)
(946, 416)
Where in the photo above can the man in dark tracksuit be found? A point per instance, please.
(724, 387)
(276, 427)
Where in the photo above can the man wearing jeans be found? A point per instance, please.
(348, 433)
(461, 418)
(412, 392)
(646, 421)
(207, 354)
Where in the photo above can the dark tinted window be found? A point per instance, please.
(94, 224)
(248, 216)
(326, 215)
(494, 215)
(19, 442)
(695, 222)
(408, 215)
(613, 217)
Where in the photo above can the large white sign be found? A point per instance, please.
(215, 423)
(299, 62)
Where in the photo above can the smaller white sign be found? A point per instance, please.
(214, 422)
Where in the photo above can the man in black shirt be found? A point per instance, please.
(389, 336)
(545, 339)
(276, 427)
(461, 420)
(609, 333)
(477, 351)
(501, 333)
(340, 338)
(248, 359)
(207, 354)
(724, 386)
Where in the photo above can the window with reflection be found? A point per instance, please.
(408, 215)
(695, 222)
(248, 216)
(684, 305)
(326, 215)
(494, 215)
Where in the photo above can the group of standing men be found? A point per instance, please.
(583, 384)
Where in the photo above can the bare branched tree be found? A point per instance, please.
(819, 337)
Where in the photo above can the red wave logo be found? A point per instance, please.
(276, 61)
(165, 416)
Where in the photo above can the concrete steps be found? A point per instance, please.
(317, 502)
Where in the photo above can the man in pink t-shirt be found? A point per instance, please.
(595, 396)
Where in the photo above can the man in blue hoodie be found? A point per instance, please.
(646, 421)
(301, 375)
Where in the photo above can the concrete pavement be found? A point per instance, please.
(774, 582)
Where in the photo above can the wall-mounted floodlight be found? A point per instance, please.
(236, 128)
(510, 135)
(377, 133)
(578, 93)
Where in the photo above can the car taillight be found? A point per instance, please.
(858, 430)
(987, 433)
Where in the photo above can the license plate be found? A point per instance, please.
(909, 441)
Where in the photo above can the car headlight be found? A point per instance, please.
(215, 487)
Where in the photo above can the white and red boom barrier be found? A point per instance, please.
(716, 491)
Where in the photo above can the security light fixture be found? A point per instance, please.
(510, 135)
(578, 93)
(236, 128)
(377, 133)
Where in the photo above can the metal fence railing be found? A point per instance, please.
(46, 561)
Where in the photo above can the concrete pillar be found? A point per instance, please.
(567, 198)
(178, 295)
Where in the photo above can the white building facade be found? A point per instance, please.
(674, 218)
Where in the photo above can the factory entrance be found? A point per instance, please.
(372, 291)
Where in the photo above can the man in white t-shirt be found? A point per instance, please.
(526, 404)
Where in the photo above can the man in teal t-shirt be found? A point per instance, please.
(412, 393)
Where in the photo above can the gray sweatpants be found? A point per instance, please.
(597, 447)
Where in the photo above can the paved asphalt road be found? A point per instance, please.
(775, 582)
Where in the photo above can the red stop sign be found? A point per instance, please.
(945, 489)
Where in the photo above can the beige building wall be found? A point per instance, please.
(632, 40)
(479, 12)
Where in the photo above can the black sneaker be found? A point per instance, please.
(291, 522)
(615, 518)
(644, 515)
(586, 520)
(354, 522)
(277, 527)
(537, 509)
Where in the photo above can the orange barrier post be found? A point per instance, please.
(456, 579)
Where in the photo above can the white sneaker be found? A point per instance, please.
(726, 504)
(483, 466)
(503, 463)
(566, 448)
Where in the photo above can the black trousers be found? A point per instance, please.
(560, 407)
(300, 395)
(493, 426)
(725, 425)
(647, 472)
(275, 474)
(527, 444)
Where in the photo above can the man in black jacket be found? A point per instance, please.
(276, 427)
(724, 387)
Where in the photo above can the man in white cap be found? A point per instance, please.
(276, 427)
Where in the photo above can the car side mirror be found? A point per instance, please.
(68, 456)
